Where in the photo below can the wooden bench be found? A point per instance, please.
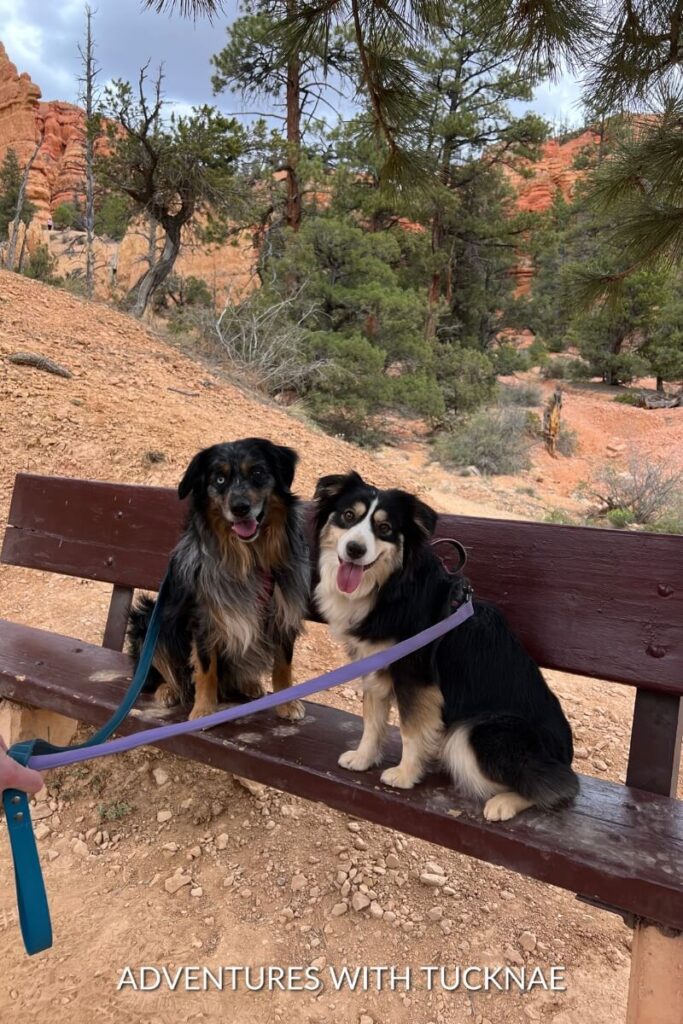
(592, 602)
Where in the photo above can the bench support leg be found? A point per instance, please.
(19, 722)
(655, 994)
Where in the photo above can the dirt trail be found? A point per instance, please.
(264, 871)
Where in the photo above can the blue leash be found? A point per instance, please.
(34, 911)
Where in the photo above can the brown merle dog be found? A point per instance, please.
(239, 581)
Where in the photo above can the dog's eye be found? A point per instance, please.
(349, 516)
(384, 529)
(257, 477)
(220, 480)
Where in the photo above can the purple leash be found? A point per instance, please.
(344, 674)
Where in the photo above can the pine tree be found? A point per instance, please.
(10, 184)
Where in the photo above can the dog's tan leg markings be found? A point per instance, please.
(251, 688)
(376, 703)
(294, 710)
(421, 734)
(504, 806)
(205, 686)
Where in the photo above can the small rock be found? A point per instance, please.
(527, 941)
(197, 891)
(393, 861)
(160, 776)
(353, 826)
(299, 883)
(435, 914)
(79, 848)
(433, 868)
(222, 841)
(255, 788)
(429, 878)
(359, 901)
(52, 854)
(376, 911)
(42, 831)
(512, 955)
(365, 1019)
(505, 894)
(176, 882)
(599, 764)
(195, 852)
(163, 816)
(581, 752)
(338, 909)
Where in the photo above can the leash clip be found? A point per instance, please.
(463, 590)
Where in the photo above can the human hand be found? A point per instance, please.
(16, 776)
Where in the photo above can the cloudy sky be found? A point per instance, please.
(42, 36)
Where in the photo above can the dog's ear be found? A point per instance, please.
(195, 474)
(285, 460)
(424, 517)
(330, 487)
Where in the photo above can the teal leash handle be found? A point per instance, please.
(34, 910)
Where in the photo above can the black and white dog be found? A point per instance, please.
(474, 700)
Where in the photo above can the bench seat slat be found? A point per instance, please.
(621, 846)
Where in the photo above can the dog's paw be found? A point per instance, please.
(504, 806)
(357, 760)
(166, 696)
(398, 777)
(294, 710)
(201, 711)
(252, 690)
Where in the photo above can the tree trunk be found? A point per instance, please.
(21, 199)
(140, 294)
(89, 75)
(660, 385)
(293, 209)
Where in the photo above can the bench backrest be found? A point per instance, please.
(594, 602)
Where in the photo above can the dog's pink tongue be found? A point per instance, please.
(349, 576)
(245, 528)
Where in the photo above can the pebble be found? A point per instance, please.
(512, 955)
(197, 891)
(353, 826)
(222, 841)
(433, 868)
(599, 764)
(376, 911)
(392, 861)
(79, 848)
(506, 894)
(359, 901)
(52, 854)
(42, 831)
(338, 909)
(527, 941)
(194, 852)
(435, 914)
(163, 816)
(299, 883)
(160, 776)
(176, 882)
(365, 1019)
(429, 878)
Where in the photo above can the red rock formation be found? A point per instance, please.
(553, 173)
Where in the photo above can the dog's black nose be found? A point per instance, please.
(355, 550)
(240, 508)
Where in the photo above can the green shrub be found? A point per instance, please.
(112, 217)
(559, 517)
(537, 353)
(41, 266)
(578, 370)
(647, 490)
(629, 398)
(508, 359)
(555, 369)
(467, 378)
(520, 394)
(494, 440)
(620, 517)
(67, 216)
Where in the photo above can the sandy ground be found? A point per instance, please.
(262, 872)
